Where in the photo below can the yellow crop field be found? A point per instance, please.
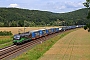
(15, 30)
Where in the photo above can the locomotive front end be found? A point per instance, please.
(16, 39)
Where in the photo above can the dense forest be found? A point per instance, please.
(16, 17)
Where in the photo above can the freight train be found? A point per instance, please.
(31, 35)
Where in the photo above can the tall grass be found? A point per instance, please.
(6, 44)
(40, 49)
(5, 41)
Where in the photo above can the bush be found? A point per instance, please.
(5, 33)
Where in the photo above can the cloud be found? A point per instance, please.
(70, 4)
(48, 5)
(64, 6)
(14, 5)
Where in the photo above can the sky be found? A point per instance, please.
(56, 6)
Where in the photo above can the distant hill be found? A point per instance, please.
(25, 17)
(76, 17)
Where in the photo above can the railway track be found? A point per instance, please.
(14, 49)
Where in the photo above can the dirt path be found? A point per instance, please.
(74, 46)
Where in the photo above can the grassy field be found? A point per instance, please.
(40, 49)
(5, 41)
(74, 46)
(6, 44)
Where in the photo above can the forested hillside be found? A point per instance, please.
(76, 17)
(25, 17)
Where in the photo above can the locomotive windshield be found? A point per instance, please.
(17, 37)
